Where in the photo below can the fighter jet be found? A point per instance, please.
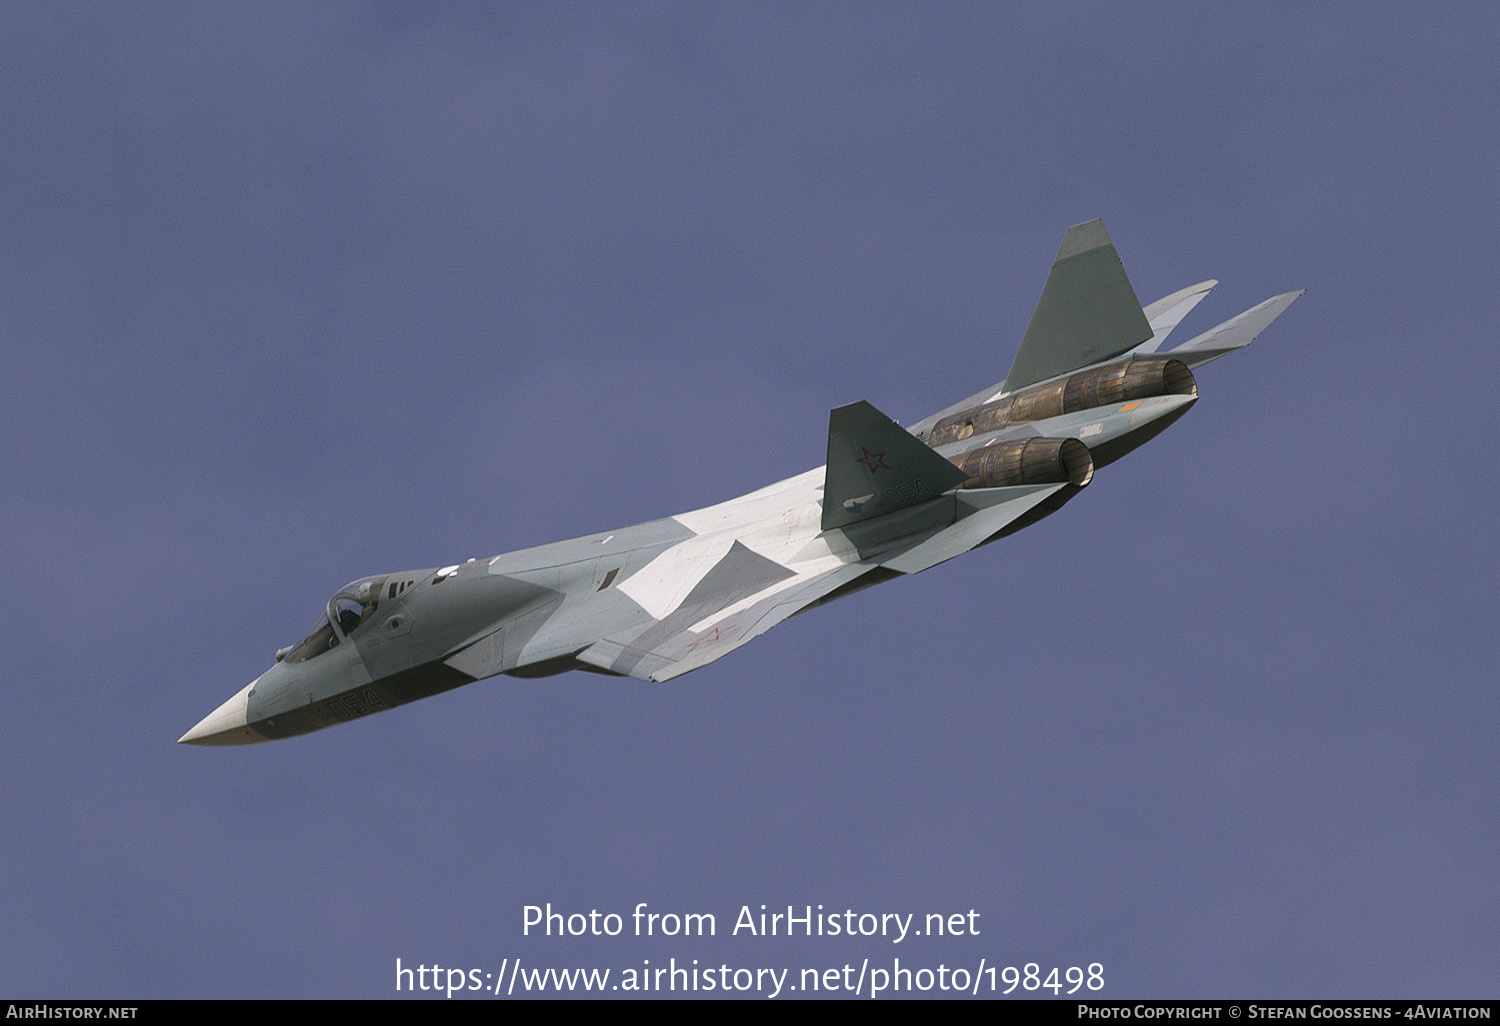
(1090, 383)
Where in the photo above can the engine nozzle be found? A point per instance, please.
(1028, 461)
(1101, 386)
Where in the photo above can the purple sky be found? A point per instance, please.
(290, 295)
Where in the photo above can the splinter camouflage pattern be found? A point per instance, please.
(656, 600)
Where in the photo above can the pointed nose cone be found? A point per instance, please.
(226, 725)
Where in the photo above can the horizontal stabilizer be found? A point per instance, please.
(1088, 312)
(875, 467)
(983, 512)
(1235, 333)
(1165, 314)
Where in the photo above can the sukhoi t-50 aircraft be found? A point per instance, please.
(1090, 383)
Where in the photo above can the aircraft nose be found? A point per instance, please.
(226, 725)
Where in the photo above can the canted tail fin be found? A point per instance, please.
(1088, 312)
(875, 467)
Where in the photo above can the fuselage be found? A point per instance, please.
(390, 639)
(1090, 382)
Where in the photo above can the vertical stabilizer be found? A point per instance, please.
(875, 467)
(1088, 311)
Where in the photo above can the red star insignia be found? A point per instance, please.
(706, 639)
(873, 460)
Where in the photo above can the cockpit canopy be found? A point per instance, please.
(354, 604)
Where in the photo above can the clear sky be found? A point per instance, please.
(294, 294)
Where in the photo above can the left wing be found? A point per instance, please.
(888, 503)
(713, 623)
(745, 594)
